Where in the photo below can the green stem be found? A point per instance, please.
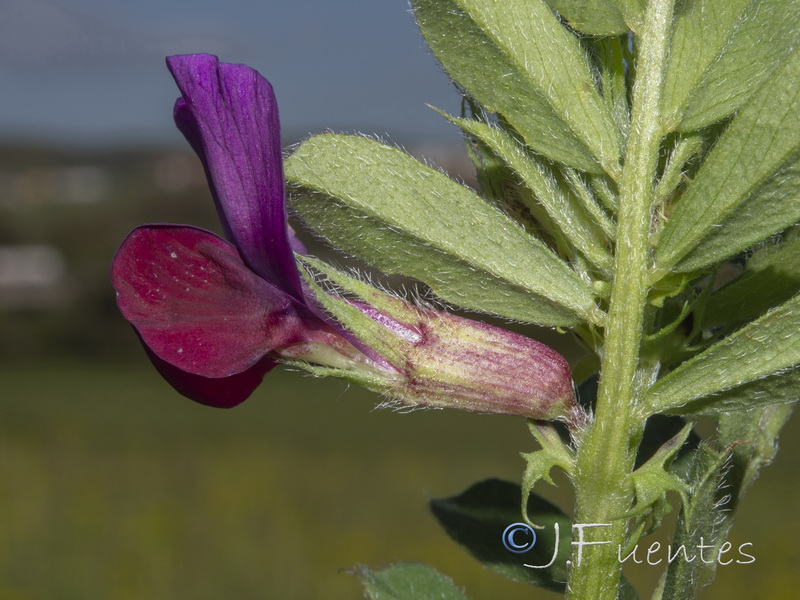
(608, 448)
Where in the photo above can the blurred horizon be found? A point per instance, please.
(86, 73)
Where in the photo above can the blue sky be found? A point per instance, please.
(92, 71)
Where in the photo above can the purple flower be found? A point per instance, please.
(215, 316)
(210, 312)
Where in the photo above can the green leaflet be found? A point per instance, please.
(686, 147)
(721, 52)
(633, 11)
(746, 189)
(593, 17)
(780, 388)
(772, 207)
(578, 227)
(760, 429)
(517, 60)
(611, 55)
(701, 522)
(718, 482)
(407, 581)
(758, 365)
(380, 204)
(700, 31)
(766, 282)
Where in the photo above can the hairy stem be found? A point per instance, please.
(608, 448)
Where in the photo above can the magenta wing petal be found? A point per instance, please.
(223, 392)
(229, 115)
(198, 307)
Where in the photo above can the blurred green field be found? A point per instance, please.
(112, 486)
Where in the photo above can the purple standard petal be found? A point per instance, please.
(229, 115)
(198, 307)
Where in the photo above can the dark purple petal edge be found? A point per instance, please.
(222, 392)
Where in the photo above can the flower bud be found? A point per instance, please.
(440, 360)
(453, 362)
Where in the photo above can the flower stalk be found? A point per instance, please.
(608, 450)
